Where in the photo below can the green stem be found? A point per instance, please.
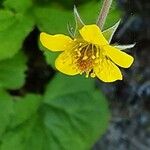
(103, 13)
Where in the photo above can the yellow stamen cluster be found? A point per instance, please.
(85, 55)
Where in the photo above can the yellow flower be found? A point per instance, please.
(89, 53)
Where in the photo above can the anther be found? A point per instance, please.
(93, 57)
(81, 73)
(79, 54)
(80, 44)
(92, 75)
(87, 74)
(85, 57)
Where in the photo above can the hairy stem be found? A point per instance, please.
(103, 13)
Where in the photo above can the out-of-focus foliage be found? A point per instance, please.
(12, 72)
(71, 113)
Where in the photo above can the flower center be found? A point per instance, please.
(86, 55)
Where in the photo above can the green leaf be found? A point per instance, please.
(62, 124)
(52, 20)
(76, 120)
(63, 84)
(13, 35)
(6, 19)
(51, 57)
(75, 114)
(25, 108)
(12, 72)
(18, 138)
(16, 111)
(18, 5)
(108, 34)
(6, 110)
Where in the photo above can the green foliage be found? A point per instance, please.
(12, 72)
(66, 85)
(52, 20)
(18, 5)
(82, 111)
(6, 109)
(16, 27)
(24, 108)
(72, 113)
(56, 122)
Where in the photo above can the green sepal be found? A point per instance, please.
(70, 29)
(78, 20)
(123, 47)
(108, 33)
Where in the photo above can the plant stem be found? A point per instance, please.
(103, 13)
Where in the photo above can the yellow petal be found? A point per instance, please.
(64, 63)
(58, 42)
(119, 57)
(107, 71)
(93, 34)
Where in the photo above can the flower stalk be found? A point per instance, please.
(103, 13)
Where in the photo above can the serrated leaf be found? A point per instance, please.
(64, 97)
(108, 33)
(82, 120)
(73, 118)
(62, 124)
(14, 112)
(12, 72)
(12, 38)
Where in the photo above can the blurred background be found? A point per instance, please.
(41, 108)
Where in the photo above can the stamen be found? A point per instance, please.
(85, 53)
(97, 51)
(93, 53)
(81, 72)
(79, 54)
(85, 57)
(87, 74)
(93, 57)
(92, 75)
